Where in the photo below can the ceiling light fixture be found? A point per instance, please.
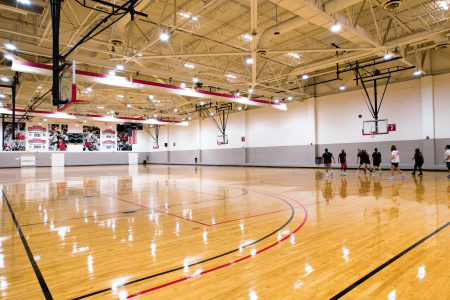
(305, 76)
(163, 36)
(342, 88)
(5, 79)
(211, 114)
(45, 120)
(183, 85)
(189, 65)
(84, 121)
(195, 79)
(2, 95)
(151, 96)
(155, 115)
(249, 61)
(387, 56)
(276, 101)
(89, 89)
(112, 72)
(289, 98)
(101, 107)
(9, 57)
(239, 108)
(119, 67)
(128, 105)
(10, 47)
(175, 110)
(202, 103)
(417, 72)
(238, 94)
(336, 27)
(250, 90)
(189, 118)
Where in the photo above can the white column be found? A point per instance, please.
(199, 140)
(428, 122)
(426, 84)
(311, 129)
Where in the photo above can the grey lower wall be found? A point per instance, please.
(279, 155)
(233, 155)
(285, 156)
(43, 159)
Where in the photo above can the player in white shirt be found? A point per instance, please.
(447, 158)
(395, 160)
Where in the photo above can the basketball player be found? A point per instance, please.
(342, 158)
(447, 158)
(326, 159)
(418, 158)
(376, 161)
(363, 160)
(395, 160)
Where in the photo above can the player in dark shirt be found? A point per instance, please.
(418, 157)
(376, 161)
(363, 160)
(326, 159)
(342, 158)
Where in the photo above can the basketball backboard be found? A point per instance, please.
(67, 83)
(222, 139)
(375, 127)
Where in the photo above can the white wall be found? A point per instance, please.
(271, 127)
(338, 122)
(442, 105)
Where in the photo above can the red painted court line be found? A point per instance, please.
(230, 263)
(148, 208)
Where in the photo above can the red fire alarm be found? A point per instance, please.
(174, 144)
(428, 137)
(243, 139)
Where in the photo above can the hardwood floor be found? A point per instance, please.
(187, 232)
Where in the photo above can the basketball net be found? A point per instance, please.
(81, 109)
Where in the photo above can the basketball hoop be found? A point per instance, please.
(372, 134)
(80, 109)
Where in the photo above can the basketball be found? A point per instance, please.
(360, 116)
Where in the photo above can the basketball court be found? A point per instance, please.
(225, 149)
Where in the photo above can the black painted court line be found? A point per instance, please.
(360, 281)
(200, 262)
(44, 287)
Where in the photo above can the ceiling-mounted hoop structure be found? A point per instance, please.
(154, 136)
(223, 111)
(373, 76)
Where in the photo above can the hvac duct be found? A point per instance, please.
(117, 32)
(273, 31)
(336, 5)
(441, 41)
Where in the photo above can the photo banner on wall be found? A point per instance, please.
(17, 144)
(37, 137)
(58, 137)
(125, 139)
(91, 138)
(108, 139)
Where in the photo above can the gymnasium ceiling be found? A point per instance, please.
(212, 39)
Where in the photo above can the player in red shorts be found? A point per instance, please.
(343, 160)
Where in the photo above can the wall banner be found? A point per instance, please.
(91, 138)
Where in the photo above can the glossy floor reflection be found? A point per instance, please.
(187, 232)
